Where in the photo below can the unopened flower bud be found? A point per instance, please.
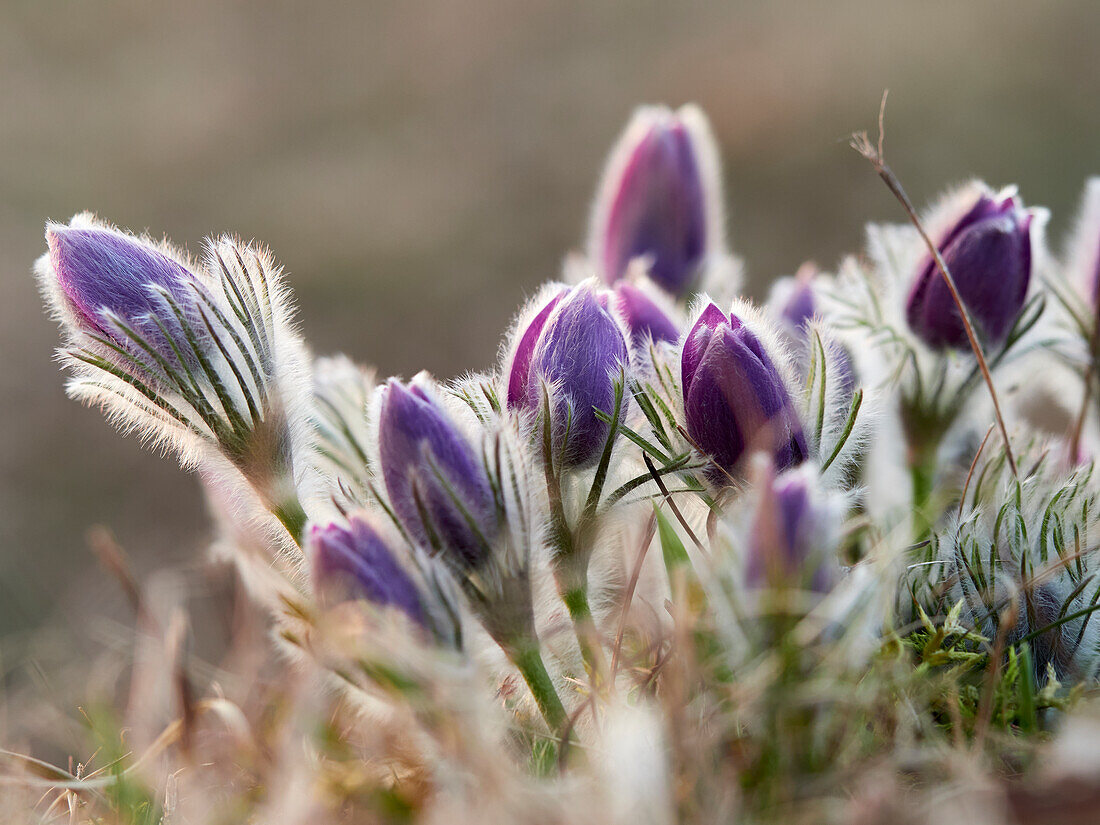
(103, 277)
(577, 353)
(798, 304)
(791, 534)
(193, 356)
(518, 369)
(795, 303)
(988, 253)
(660, 200)
(735, 400)
(642, 315)
(358, 559)
(436, 482)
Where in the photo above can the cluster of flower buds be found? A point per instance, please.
(459, 494)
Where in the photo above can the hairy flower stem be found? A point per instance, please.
(528, 661)
(576, 599)
(290, 514)
(922, 472)
(571, 574)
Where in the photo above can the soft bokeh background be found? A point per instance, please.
(419, 167)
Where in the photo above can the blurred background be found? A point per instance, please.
(419, 167)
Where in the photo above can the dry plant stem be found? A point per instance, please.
(1082, 415)
(973, 465)
(628, 597)
(985, 707)
(862, 144)
(1090, 372)
(567, 737)
(672, 505)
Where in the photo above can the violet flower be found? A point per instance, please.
(988, 253)
(642, 315)
(576, 349)
(436, 482)
(735, 400)
(660, 200)
(790, 530)
(191, 356)
(796, 303)
(357, 558)
(101, 273)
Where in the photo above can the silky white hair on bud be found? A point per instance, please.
(341, 397)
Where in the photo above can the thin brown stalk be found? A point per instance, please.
(114, 560)
(973, 464)
(1090, 371)
(672, 504)
(862, 144)
(570, 725)
(628, 597)
(985, 706)
(695, 446)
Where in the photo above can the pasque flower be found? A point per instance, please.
(988, 253)
(102, 274)
(799, 304)
(355, 556)
(642, 315)
(660, 200)
(192, 355)
(791, 534)
(735, 400)
(439, 487)
(435, 477)
(575, 348)
(796, 303)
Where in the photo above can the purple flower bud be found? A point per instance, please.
(735, 400)
(577, 353)
(799, 304)
(988, 252)
(98, 270)
(358, 558)
(519, 370)
(659, 200)
(643, 317)
(789, 532)
(437, 484)
(795, 302)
